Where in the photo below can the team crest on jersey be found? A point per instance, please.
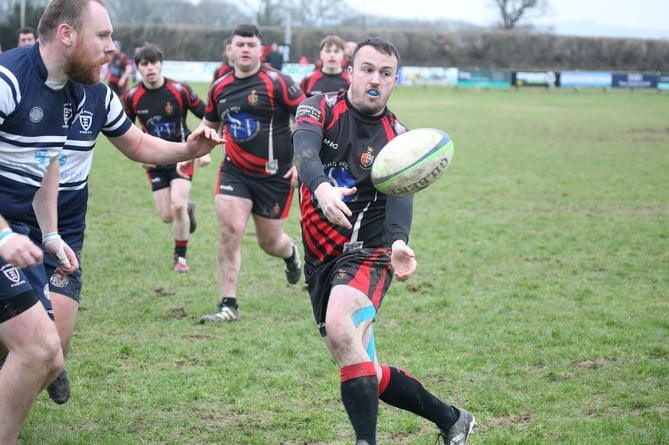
(67, 114)
(12, 274)
(36, 115)
(253, 98)
(86, 120)
(169, 109)
(367, 158)
(58, 280)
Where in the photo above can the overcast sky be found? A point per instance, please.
(633, 15)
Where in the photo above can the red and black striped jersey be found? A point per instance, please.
(350, 142)
(256, 114)
(162, 112)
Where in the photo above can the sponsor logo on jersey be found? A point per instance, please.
(36, 115)
(367, 158)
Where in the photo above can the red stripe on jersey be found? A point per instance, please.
(322, 239)
(364, 282)
(340, 108)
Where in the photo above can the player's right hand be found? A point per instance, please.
(20, 252)
(331, 201)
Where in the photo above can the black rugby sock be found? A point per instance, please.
(405, 392)
(360, 396)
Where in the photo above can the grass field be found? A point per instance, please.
(540, 303)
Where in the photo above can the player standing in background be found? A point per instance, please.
(257, 177)
(118, 71)
(330, 77)
(25, 36)
(226, 66)
(355, 240)
(161, 105)
(275, 57)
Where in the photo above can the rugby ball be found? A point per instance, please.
(412, 161)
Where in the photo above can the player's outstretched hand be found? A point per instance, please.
(202, 141)
(331, 201)
(20, 252)
(403, 260)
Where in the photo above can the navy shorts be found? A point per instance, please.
(20, 289)
(68, 285)
(161, 176)
(271, 195)
(368, 270)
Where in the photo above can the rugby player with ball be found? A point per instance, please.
(355, 241)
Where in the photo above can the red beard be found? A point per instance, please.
(80, 69)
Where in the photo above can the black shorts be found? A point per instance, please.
(368, 270)
(161, 176)
(271, 195)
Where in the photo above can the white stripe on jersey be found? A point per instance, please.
(12, 94)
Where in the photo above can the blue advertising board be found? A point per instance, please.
(634, 80)
(585, 79)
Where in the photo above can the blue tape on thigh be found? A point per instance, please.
(364, 314)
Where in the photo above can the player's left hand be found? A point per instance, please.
(292, 174)
(63, 253)
(182, 168)
(403, 260)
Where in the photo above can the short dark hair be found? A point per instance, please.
(247, 30)
(379, 44)
(26, 30)
(149, 52)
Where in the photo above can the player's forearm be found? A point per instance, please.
(45, 201)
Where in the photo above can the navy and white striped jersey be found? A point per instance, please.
(102, 112)
(35, 116)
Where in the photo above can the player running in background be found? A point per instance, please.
(257, 177)
(331, 76)
(355, 240)
(161, 105)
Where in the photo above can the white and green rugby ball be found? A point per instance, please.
(412, 161)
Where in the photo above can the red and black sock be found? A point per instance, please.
(360, 395)
(402, 390)
(180, 248)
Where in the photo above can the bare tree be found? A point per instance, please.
(515, 12)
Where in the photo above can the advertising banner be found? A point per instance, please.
(585, 79)
(634, 80)
(427, 76)
(484, 78)
(663, 81)
(546, 79)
